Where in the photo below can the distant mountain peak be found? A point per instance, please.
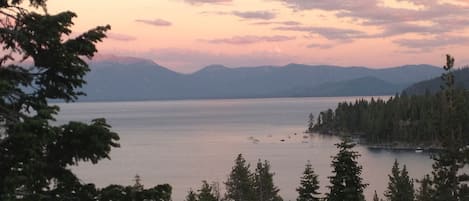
(213, 68)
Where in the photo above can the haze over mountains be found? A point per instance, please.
(461, 78)
(118, 79)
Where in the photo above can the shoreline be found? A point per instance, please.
(395, 146)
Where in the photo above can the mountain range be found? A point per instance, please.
(118, 79)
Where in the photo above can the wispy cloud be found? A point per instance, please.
(249, 15)
(286, 23)
(120, 37)
(331, 33)
(264, 15)
(155, 22)
(430, 43)
(421, 17)
(198, 2)
(249, 39)
(320, 46)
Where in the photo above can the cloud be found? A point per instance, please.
(421, 17)
(404, 28)
(198, 2)
(263, 15)
(331, 33)
(120, 37)
(285, 23)
(248, 15)
(432, 43)
(250, 39)
(155, 22)
(320, 46)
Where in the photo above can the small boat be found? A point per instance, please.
(418, 150)
(282, 140)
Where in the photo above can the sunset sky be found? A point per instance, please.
(186, 35)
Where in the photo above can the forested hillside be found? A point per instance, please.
(434, 85)
(404, 119)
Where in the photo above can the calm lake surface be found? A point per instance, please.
(185, 142)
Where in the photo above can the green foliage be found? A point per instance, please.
(400, 186)
(240, 184)
(134, 193)
(191, 196)
(346, 183)
(309, 185)
(205, 193)
(447, 179)
(414, 120)
(310, 122)
(375, 197)
(425, 191)
(35, 152)
(264, 187)
(36, 155)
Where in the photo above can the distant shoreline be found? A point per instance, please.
(395, 146)
(236, 98)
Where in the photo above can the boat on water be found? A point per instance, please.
(418, 150)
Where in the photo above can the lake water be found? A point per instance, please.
(185, 142)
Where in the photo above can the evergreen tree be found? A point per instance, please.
(240, 185)
(309, 185)
(35, 152)
(452, 158)
(346, 183)
(206, 193)
(310, 122)
(375, 197)
(137, 189)
(191, 196)
(425, 191)
(216, 190)
(265, 189)
(400, 186)
(130, 193)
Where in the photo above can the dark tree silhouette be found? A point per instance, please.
(346, 183)
(240, 184)
(309, 185)
(264, 186)
(35, 155)
(400, 186)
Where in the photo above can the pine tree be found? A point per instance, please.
(400, 186)
(309, 185)
(346, 183)
(425, 191)
(240, 185)
(375, 197)
(191, 196)
(451, 159)
(310, 122)
(265, 189)
(206, 192)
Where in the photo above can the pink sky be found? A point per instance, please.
(186, 35)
